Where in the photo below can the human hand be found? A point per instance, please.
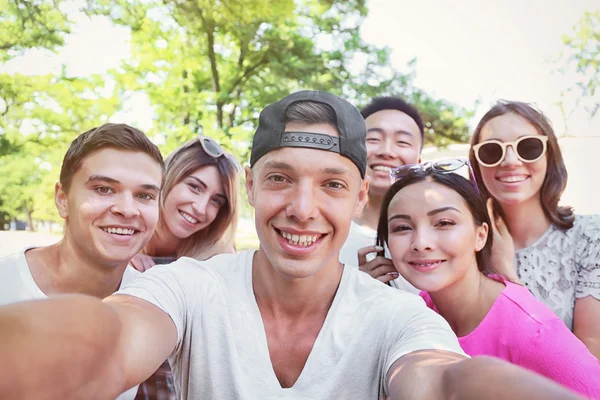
(503, 248)
(380, 268)
(142, 262)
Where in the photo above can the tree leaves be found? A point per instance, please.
(583, 53)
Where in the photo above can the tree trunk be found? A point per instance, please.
(28, 211)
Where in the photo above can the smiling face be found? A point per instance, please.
(432, 236)
(304, 200)
(193, 203)
(512, 182)
(111, 208)
(393, 140)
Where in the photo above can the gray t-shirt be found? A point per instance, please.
(222, 350)
(562, 266)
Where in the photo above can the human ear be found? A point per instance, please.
(481, 235)
(249, 185)
(61, 200)
(363, 195)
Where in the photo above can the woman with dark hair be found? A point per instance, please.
(517, 163)
(436, 227)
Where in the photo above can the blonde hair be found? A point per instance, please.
(220, 233)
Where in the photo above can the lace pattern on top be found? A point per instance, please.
(562, 266)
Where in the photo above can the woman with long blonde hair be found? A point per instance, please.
(199, 205)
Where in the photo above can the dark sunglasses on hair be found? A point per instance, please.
(214, 149)
(450, 165)
(528, 149)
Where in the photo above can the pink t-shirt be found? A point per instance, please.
(522, 330)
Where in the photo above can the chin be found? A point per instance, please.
(379, 190)
(295, 269)
(510, 200)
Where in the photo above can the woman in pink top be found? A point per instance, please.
(437, 229)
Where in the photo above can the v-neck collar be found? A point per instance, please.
(264, 346)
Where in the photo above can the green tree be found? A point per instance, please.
(212, 66)
(582, 53)
(40, 115)
(44, 115)
(26, 24)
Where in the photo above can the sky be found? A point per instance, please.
(467, 52)
(484, 50)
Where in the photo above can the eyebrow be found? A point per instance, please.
(335, 171)
(277, 165)
(200, 181)
(379, 130)
(429, 214)
(285, 166)
(102, 178)
(440, 210)
(204, 185)
(107, 179)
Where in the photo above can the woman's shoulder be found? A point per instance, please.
(585, 228)
(522, 306)
(588, 225)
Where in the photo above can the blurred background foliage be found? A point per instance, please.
(206, 67)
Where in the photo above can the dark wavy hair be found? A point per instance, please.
(555, 180)
(461, 186)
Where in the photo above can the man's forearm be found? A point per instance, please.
(487, 377)
(60, 348)
(435, 375)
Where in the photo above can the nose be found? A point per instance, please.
(422, 240)
(303, 205)
(126, 206)
(200, 205)
(385, 148)
(510, 158)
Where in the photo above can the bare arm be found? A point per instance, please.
(76, 346)
(586, 323)
(436, 374)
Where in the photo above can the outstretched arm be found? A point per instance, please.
(437, 374)
(76, 346)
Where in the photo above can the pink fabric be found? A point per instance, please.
(522, 330)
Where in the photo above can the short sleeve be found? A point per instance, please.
(559, 355)
(165, 286)
(417, 328)
(588, 260)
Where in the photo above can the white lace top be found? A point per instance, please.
(562, 266)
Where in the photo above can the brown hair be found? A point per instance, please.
(220, 233)
(310, 112)
(555, 180)
(116, 136)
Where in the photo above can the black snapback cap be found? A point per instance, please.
(271, 135)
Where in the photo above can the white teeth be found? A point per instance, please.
(426, 264)
(303, 240)
(513, 178)
(119, 231)
(381, 168)
(188, 217)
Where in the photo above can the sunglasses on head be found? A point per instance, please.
(438, 167)
(528, 149)
(214, 149)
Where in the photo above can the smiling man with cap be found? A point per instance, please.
(287, 321)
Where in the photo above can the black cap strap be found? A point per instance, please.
(311, 140)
